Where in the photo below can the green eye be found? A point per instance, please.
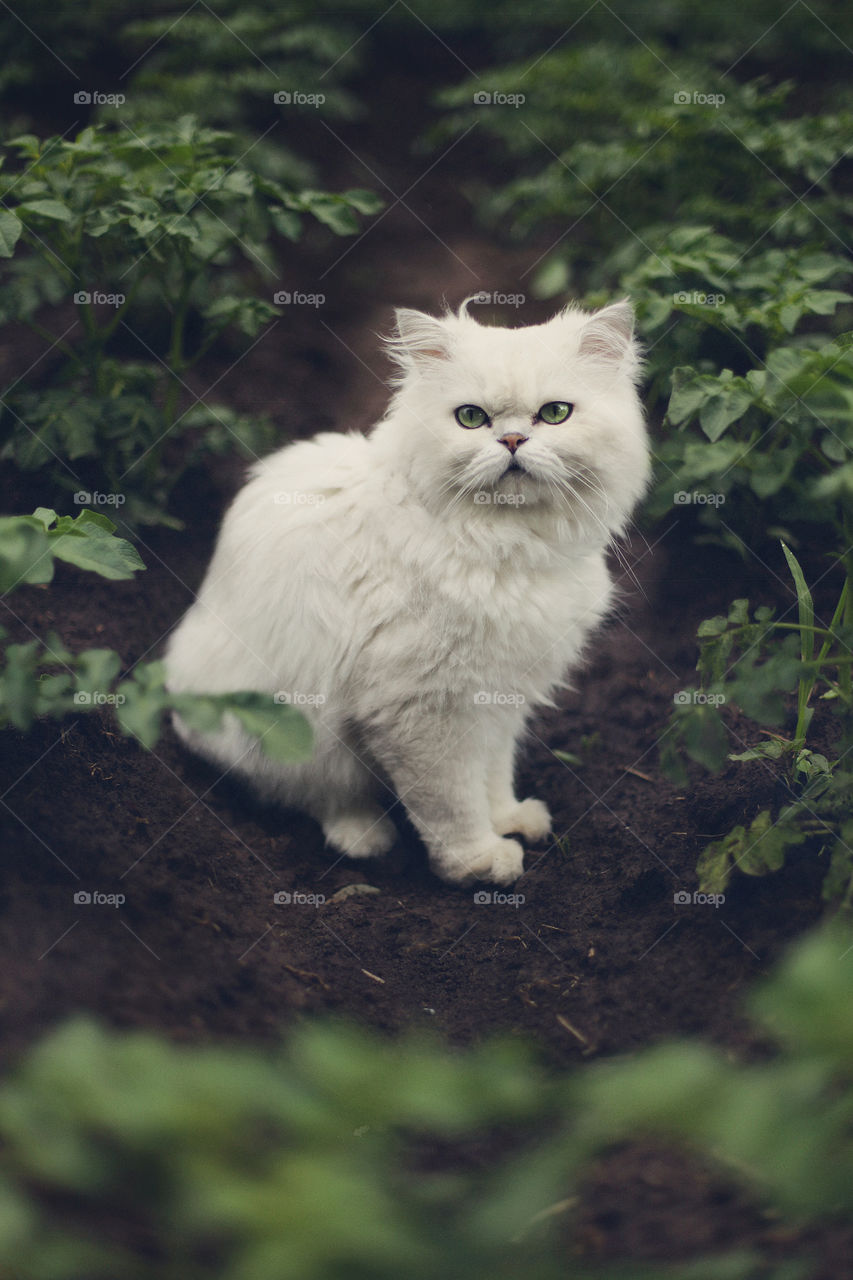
(471, 415)
(555, 411)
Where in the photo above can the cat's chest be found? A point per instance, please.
(459, 605)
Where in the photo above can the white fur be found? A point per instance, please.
(430, 600)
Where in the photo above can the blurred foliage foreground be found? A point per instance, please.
(346, 1155)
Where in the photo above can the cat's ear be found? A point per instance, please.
(608, 334)
(419, 339)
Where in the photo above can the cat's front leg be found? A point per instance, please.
(528, 818)
(438, 767)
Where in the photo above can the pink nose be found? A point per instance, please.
(512, 441)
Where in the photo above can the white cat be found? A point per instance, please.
(419, 591)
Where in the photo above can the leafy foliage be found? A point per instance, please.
(29, 545)
(143, 230)
(756, 664)
(125, 1155)
(45, 679)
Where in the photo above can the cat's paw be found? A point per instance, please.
(530, 818)
(366, 834)
(492, 859)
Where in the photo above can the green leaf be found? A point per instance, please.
(10, 231)
(805, 605)
(54, 209)
(723, 408)
(25, 552)
(704, 735)
(115, 559)
(755, 851)
(286, 222)
(18, 685)
(367, 202)
(688, 393)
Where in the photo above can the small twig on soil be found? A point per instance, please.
(638, 774)
(306, 973)
(579, 1035)
(374, 976)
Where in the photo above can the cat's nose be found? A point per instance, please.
(512, 441)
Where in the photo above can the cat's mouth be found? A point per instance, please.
(514, 466)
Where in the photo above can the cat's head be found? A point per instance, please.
(543, 418)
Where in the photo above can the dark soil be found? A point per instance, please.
(598, 959)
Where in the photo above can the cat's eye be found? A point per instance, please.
(555, 411)
(470, 416)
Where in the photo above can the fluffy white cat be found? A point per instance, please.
(418, 592)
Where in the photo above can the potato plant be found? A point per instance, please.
(43, 678)
(124, 1154)
(138, 234)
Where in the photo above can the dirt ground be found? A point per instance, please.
(598, 959)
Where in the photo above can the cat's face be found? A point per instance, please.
(519, 420)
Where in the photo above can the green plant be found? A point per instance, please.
(226, 61)
(343, 1154)
(45, 679)
(609, 141)
(759, 664)
(143, 230)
